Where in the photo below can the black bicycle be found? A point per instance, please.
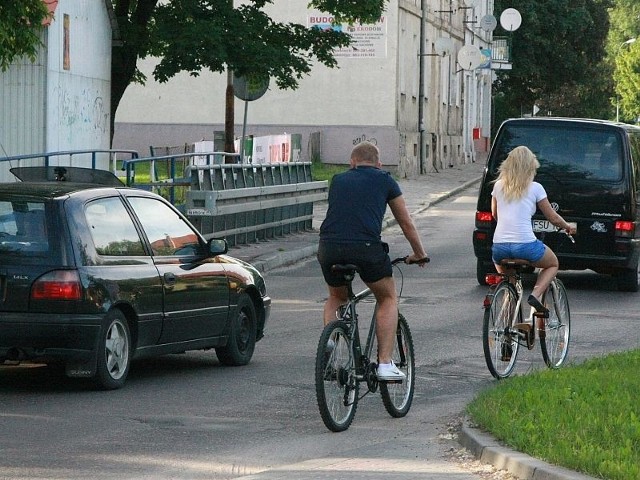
(342, 364)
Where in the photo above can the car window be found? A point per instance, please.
(111, 227)
(23, 227)
(167, 232)
(567, 152)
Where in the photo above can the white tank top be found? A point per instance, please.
(514, 217)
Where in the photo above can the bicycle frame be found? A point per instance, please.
(514, 328)
(348, 314)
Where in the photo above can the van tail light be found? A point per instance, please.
(57, 285)
(483, 219)
(625, 229)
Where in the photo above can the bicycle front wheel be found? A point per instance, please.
(336, 383)
(500, 345)
(554, 341)
(397, 397)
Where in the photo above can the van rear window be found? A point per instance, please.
(565, 153)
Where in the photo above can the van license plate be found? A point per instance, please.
(547, 226)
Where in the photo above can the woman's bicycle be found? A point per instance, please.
(343, 363)
(505, 329)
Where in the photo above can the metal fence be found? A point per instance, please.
(249, 202)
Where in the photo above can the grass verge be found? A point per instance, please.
(321, 171)
(584, 417)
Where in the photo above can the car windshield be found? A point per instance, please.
(23, 228)
(565, 153)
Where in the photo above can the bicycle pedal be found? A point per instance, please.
(541, 314)
(523, 327)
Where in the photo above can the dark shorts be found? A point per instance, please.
(372, 259)
(532, 251)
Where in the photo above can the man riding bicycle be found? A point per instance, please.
(351, 233)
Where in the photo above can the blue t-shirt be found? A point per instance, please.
(358, 199)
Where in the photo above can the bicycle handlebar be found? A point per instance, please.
(566, 232)
(422, 261)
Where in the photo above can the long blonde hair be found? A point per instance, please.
(517, 172)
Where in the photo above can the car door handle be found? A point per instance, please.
(169, 279)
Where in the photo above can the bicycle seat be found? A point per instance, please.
(347, 270)
(515, 263)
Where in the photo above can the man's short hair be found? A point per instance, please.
(366, 152)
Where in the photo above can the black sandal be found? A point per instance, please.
(535, 303)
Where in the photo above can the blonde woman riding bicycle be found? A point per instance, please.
(515, 197)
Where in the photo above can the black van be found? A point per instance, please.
(591, 172)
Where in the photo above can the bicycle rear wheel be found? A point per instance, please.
(554, 341)
(499, 345)
(336, 384)
(397, 397)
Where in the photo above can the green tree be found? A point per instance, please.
(191, 35)
(627, 78)
(20, 25)
(624, 57)
(557, 60)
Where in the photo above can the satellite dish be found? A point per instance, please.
(470, 57)
(510, 19)
(443, 46)
(488, 23)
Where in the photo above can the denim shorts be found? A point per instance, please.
(372, 260)
(532, 251)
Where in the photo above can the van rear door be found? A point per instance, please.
(583, 171)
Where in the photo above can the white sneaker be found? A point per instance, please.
(389, 372)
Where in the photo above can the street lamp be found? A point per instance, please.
(626, 42)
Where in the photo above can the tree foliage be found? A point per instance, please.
(556, 55)
(20, 24)
(627, 78)
(191, 35)
(244, 40)
(623, 47)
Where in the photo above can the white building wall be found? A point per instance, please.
(22, 108)
(375, 98)
(45, 107)
(79, 77)
(356, 101)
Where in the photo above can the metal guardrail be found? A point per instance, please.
(169, 175)
(249, 202)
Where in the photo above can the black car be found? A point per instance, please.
(590, 170)
(93, 276)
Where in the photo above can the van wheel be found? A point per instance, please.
(628, 280)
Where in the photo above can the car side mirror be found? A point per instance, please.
(218, 246)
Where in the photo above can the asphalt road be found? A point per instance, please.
(188, 417)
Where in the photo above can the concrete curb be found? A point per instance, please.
(280, 259)
(488, 450)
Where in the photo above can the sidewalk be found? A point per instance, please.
(419, 194)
